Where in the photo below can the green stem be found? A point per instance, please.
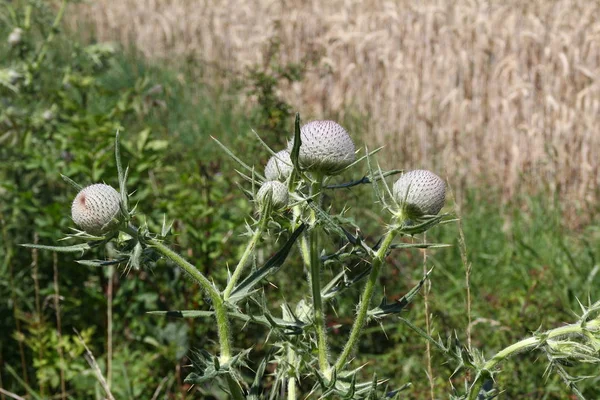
(213, 293)
(532, 343)
(244, 259)
(292, 380)
(315, 282)
(365, 300)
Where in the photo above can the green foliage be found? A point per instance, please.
(59, 117)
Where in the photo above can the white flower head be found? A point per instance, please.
(279, 167)
(325, 147)
(95, 207)
(419, 192)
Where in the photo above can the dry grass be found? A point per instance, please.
(505, 90)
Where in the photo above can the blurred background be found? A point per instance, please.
(502, 99)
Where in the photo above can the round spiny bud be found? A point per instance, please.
(15, 37)
(278, 192)
(325, 148)
(279, 167)
(95, 207)
(419, 193)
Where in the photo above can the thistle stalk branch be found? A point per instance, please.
(291, 389)
(237, 273)
(365, 300)
(315, 281)
(213, 293)
(531, 343)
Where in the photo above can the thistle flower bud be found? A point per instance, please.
(279, 167)
(15, 37)
(326, 148)
(278, 192)
(95, 207)
(419, 192)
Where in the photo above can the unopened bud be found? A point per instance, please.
(325, 147)
(95, 207)
(279, 167)
(419, 193)
(278, 192)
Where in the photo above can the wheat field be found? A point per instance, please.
(508, 92)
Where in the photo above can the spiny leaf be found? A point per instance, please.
(295, 153)
(422, 226)
(76, 248)
(269, 321)
(257, 384)
(271, 266)
(236, 158)
(100, 263)
(364, 180)
(122, 175)
(396, 307)
(419, 245)
(71, 182)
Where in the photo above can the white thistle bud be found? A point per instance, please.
(279, 167)
(278, 192)
(325, 147)
(419, 192)
(15, 37)
(95, 207)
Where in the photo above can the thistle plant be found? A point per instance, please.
(290, 209)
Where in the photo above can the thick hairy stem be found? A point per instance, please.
(426, 290)
(291, 390)
(532, 343)
(365, 300)
(237, 273)
(315, 283)
(213, 293)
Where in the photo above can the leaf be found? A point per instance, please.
(157, 145)
(396, 307)
(341, 282)
(422, 226)
(271, 266)
(329, 222)
(122, 176)
(236, 158)
(255, 392)
(71, 182)
(269, 321)
(419, 245)
(142, 139)
(294, 154)
(100, 263)
(76, 248)
(364, 180)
